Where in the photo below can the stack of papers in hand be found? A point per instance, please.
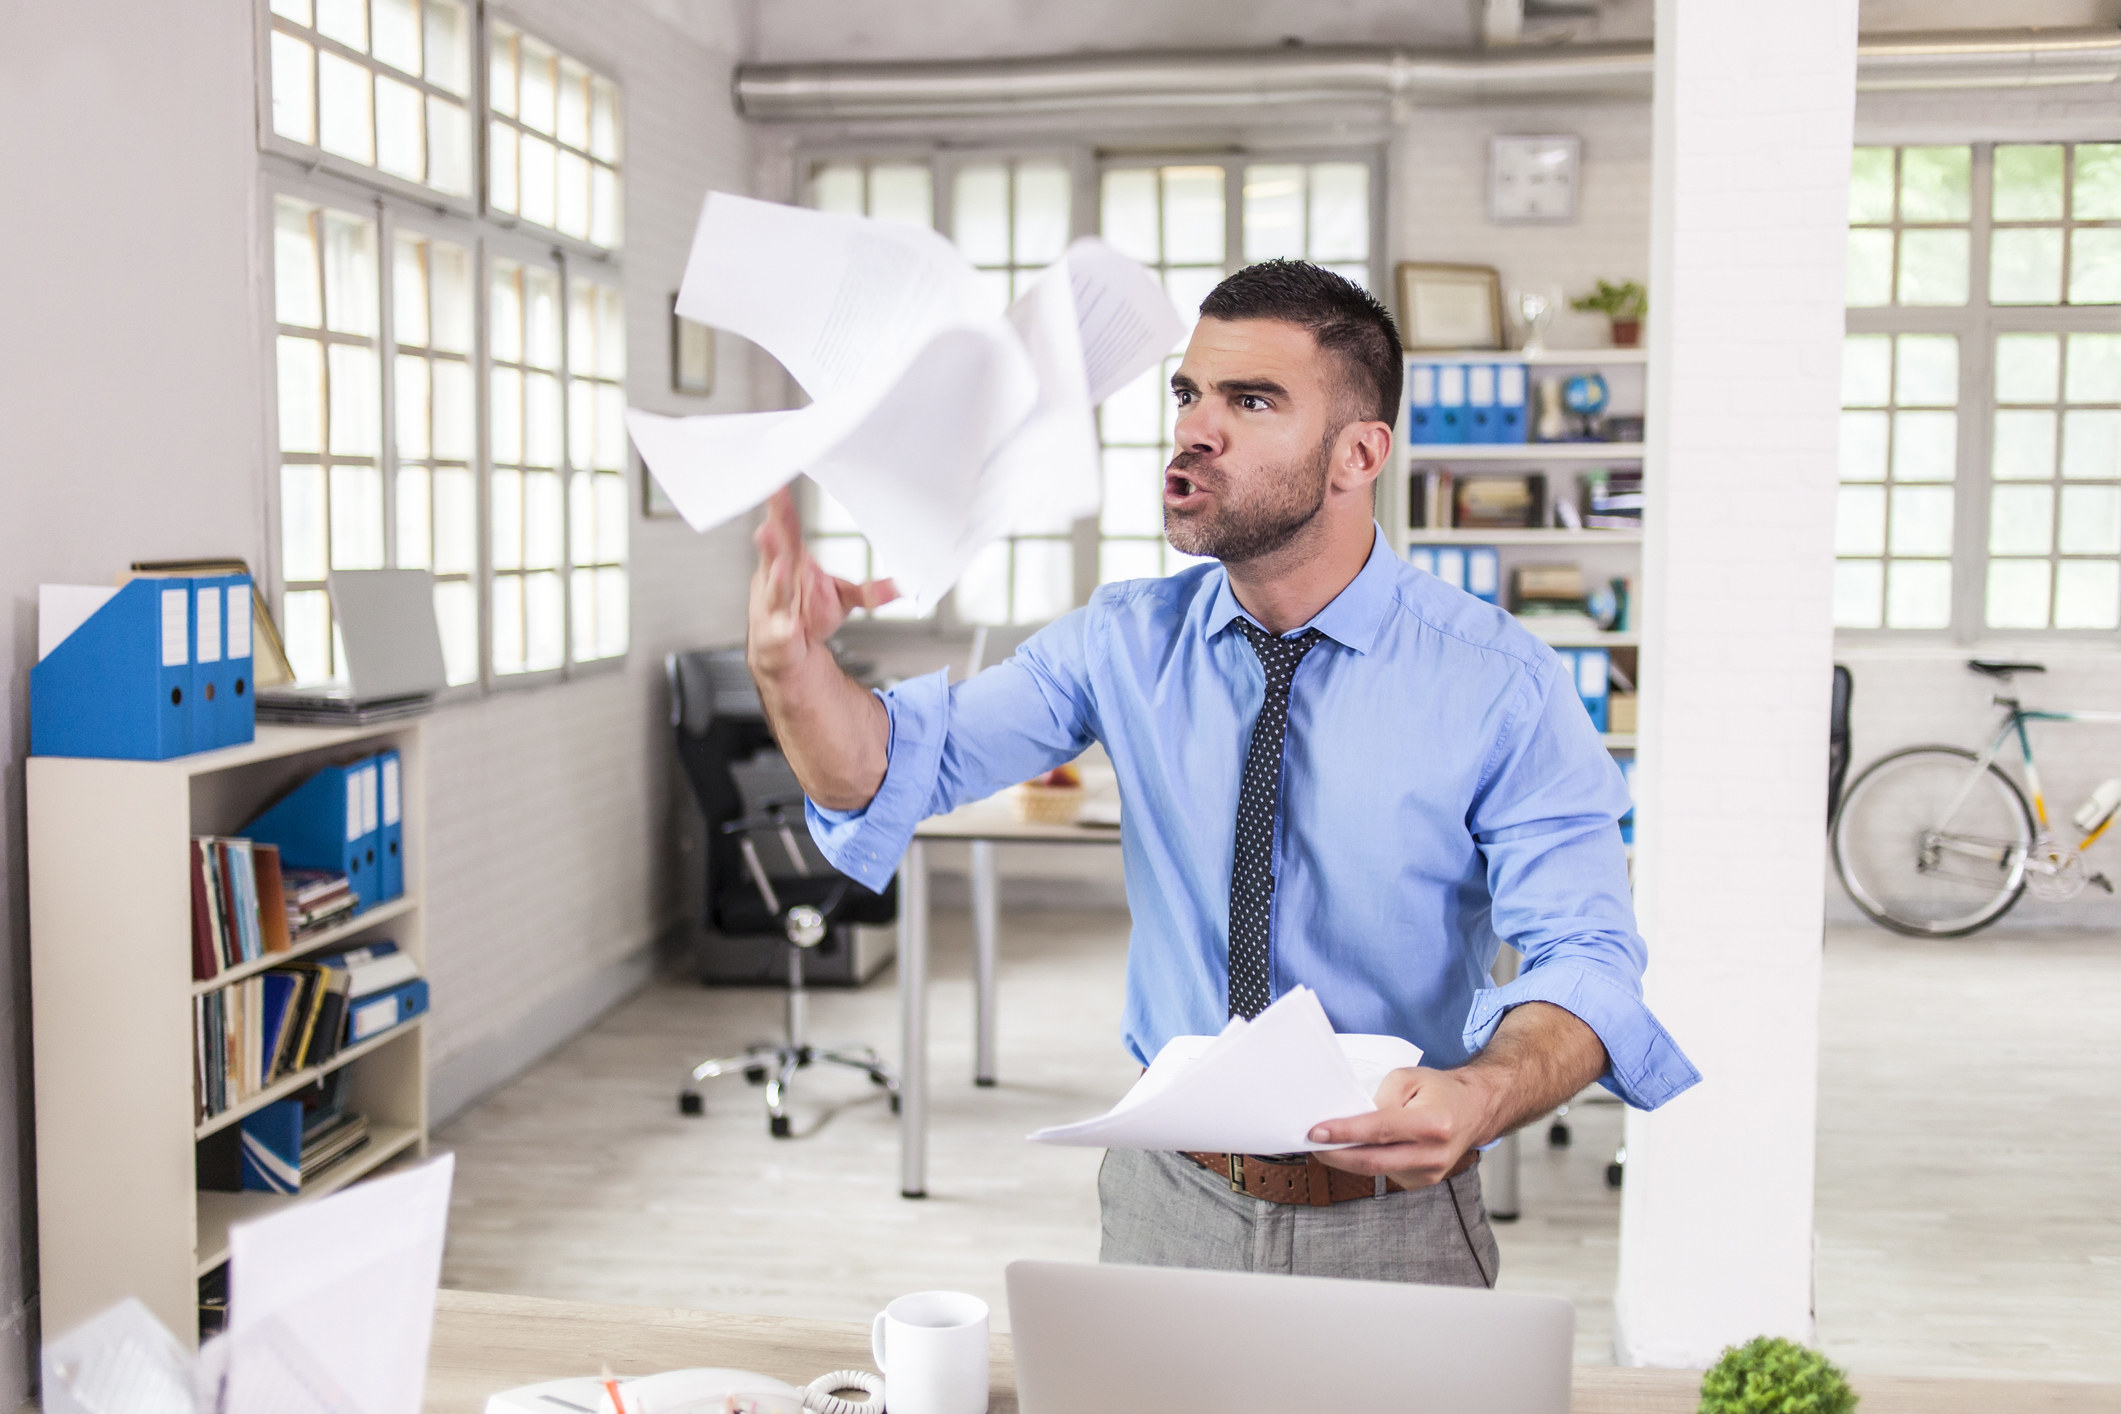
(937, 424)
(1258, 1088)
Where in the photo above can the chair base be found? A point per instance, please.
(775, 1067)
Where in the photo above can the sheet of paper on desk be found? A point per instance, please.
(937, 424)
(1255, 1089)
(331, 1302)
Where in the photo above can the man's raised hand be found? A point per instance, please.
(795, 605)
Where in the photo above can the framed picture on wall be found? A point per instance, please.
(655, 503)
(691, 355)
(1449, 306)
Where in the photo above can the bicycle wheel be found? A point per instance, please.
(1918, 872)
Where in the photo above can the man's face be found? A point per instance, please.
(1257, 425)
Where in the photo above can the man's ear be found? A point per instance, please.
(1360, 455)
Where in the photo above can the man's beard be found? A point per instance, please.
(1290, 498)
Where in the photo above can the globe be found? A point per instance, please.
(1585, 394)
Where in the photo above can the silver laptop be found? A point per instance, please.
(386, 623)
(1095, 1339)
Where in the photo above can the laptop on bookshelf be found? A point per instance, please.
(393, 654)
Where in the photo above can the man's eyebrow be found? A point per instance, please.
(1180, 383)
(1241, 387)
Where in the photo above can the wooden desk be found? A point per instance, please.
(484, 1344)
(982, 824)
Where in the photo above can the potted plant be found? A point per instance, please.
(1775, 1376)
(1624, 304)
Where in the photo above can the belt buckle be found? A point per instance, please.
(1237, 1172)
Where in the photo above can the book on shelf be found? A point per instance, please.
(317, 899)
(1612, 498)
(285, 1145)
(244, 906)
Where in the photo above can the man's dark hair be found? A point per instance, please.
(1345, 318)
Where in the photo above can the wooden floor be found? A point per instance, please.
(1969, 1163)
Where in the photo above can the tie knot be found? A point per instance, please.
(1279, 656)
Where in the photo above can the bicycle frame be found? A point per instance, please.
(2014, 721)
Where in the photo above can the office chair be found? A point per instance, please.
(1837, 742)
(802, 902)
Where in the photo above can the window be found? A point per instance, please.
(525, 422)
(437, 517)
(382, 85)
(553, 139)
(596, 468)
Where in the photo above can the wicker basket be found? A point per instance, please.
(1037, 804)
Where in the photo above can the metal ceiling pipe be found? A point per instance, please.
(1280, 78)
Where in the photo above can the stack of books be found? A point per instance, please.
(317, 899)
(287, 1144)
(237, 910)
(1612, 498)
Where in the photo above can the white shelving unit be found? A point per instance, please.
(1450, 453)
(119, 1212)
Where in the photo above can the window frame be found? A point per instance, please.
(482, 80)
(1976, 324)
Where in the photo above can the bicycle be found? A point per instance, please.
(1940, 842)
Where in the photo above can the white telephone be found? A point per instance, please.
(707, 1391)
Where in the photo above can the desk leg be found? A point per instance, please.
(913, 1022)
(1498, 1179)
(986, 925)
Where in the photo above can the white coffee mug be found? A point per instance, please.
(932, 1349)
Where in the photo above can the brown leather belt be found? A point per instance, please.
(1304, 1179)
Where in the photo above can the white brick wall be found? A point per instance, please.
(1753, 123)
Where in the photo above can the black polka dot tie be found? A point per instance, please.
(1252, 862)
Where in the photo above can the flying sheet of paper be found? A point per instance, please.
(332, 1302)
(122, 1361)
(936, 424)
(1257, 1088)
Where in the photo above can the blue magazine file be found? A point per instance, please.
(120, 685)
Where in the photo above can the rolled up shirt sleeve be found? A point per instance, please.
(1547, 818)
(952, 744)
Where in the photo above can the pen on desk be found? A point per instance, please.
(611, 1391)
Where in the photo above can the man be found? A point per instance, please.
(1336, 772)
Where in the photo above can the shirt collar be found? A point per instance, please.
(1354, 616)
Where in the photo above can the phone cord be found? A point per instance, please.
(821, 1399)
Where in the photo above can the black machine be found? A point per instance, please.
(776, 910)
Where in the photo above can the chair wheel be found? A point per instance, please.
(894, 1104)
(690, 1103)
(778, 1124)
(1557, 1135)
(755, 1074)
(1614, 1173)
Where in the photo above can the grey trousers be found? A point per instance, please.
(1164, 1210)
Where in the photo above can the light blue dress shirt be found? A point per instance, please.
(1442, 788)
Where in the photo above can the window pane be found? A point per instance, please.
(350, 300)
(1869, 281)
(506, 430)
(2017, 593)
(1136, 412)
(2087, 594)
(294, 89)
(503, 188)
(1127, 213)
(448, 146)
(1044, 586)
(305, 623)
(581, 523)
(456, 521)
(1176, 561)
(1922, 520)
(453, 410)
(1340, 211)
(1936, 183)
(612, 629)
(1859, 593)
(448, 46)
(2096, 192)
(408, 301)
(603, 121)
(1193, 215)
(2095, 368)
(508, 624)
(356, 518)
(397, 34)
(2020, 520)
(1864, 437)
(2095, 265)
(296, 297)
(506, 493)
(541, 419)
(607, 214)
(1043, 191)
(538, 180)
(501, 70)
(574, 105)
(297, 10)
(457, 616)
(1188, 288)
(356, 401)
(1933, 267)
(2025, 267)
(301, 372)
(1274, 211)
(902, 192)
(1871, 184)
(535, 62)
(302, 523)
(544, 520)
(1929, 371)
(611, 518)
(611, 428)
(1129, 559)
(449, 267)
(345, 21)
(1867, 370)
(581, 423)
(1859, 521)
(412, 410)
(1925, 446)
(583, 589)
(980, 213)
(611, 334)
(2091, 520)
(574, 195)
(541, 319)
(982, 593)
(1919, 594)
(1134, 492)
(415, 531)
(544, 622)
(2028, 367)
(346, 109)
(581, 328)
(837, 186)
(2091, 444)
(994, 290)
(2025, 446)
(2028, 183)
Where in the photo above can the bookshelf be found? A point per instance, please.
(119, 1212)
(1451, 453)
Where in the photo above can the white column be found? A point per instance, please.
(1754, 121)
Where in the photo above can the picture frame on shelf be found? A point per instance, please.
(1448, 306)
(691, 355)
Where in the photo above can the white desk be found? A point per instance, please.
(982, 824)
